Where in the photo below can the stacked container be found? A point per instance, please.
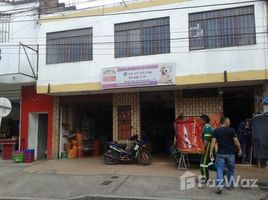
(28, 155)
(18, 156)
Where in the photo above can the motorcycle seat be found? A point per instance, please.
(121, 146)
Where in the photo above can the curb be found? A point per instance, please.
(115, 197)
(92, 197)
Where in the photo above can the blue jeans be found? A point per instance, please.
(221, 160)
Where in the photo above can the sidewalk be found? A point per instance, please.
(64, 179)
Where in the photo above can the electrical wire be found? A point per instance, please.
(144, 11)
(134, 48)
(171, 32)
(30, 23)
(204, 50)
(181, 8)
(127, 48)
(19, 10)
(151, 40)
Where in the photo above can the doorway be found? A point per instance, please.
(157, 115)
(38, 129)
(42, 136)
(238, 104)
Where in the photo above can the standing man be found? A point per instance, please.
(227, 141)
(205, 162)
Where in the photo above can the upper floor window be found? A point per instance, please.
(222, 28)
(69, 46)
(4, 27)
(139, 38)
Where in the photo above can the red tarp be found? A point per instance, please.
(189, 137)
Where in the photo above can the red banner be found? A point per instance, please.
(189, 137)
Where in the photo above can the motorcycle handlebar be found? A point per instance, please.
(134, 137)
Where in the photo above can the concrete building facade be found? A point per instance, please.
(215, 51)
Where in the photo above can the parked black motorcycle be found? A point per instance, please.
(118, 152)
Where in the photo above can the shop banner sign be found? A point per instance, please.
(138, 76)
(189, 136)
(189, 133)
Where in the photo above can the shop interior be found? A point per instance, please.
(84, 124)
(157, 116)
(42, 136)
(238, 104)
(37, 134)
(10, 125)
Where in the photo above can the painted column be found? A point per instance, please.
(56, 129)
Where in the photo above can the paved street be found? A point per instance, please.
(63, 179)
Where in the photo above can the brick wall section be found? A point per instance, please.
(197, 106)
(127, 99)
(56, 129)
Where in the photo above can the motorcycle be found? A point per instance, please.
(119, 152)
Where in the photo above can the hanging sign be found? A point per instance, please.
(138, 76)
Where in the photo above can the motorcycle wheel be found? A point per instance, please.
(145, 158)
(108, 160)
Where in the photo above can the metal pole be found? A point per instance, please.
(37, 65)
(29, 61)
(251, 152)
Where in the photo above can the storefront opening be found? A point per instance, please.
(239, 107)
(157, 115)
(89, 115)
(9, 127)
(238, 104)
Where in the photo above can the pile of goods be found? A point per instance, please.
(26, 156)
(74, 146)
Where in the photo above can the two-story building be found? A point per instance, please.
(18, 57)
(19, 62)
(127, 68)
(123, 69)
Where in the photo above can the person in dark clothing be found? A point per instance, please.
(227, 144)
(245, 139)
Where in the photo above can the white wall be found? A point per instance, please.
(242, 58)
(13, 59)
